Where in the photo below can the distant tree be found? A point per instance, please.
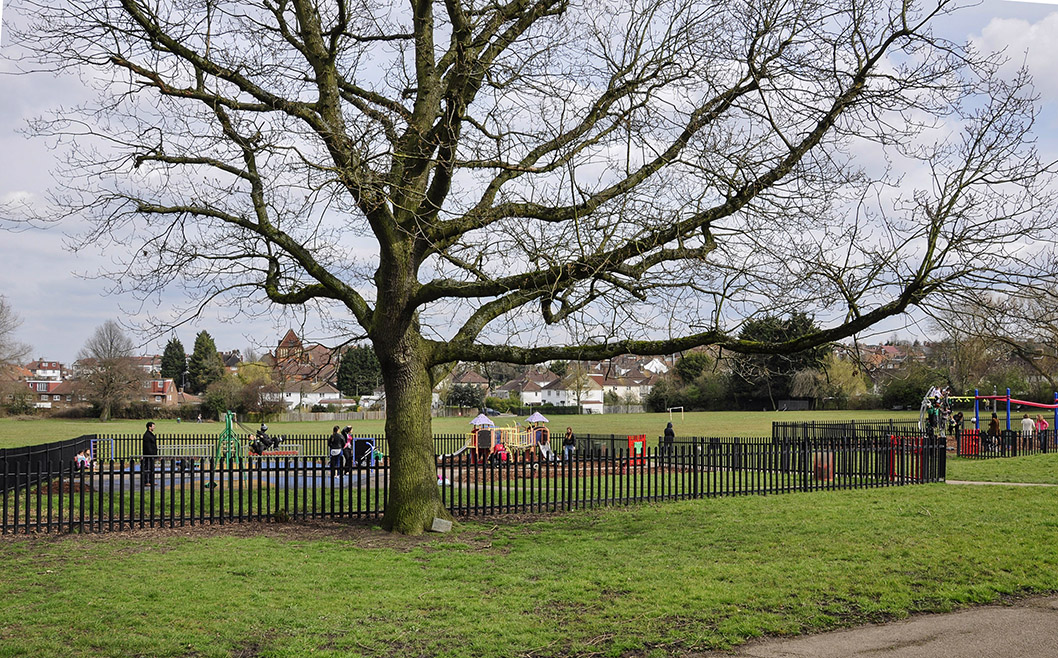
(223, 395)
(359, 372)
(174, 361)
(11, 350)
(836, 380)
(690, 367)
(111, 376)
(559, 367)
(465, 395)
(577, 379)
(204, 367)
(909, 385)
(768, 377)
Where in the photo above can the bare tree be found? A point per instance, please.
(110, 377)
(12, 351)
(542, 179)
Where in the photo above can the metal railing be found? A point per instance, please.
(111, 495)
(972, 443)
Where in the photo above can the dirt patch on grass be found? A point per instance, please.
(362, 534)
(63, 486)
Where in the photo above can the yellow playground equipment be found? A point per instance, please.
(517, 439)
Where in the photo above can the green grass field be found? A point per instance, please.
(19, 432)
(669, 579)
(654, 580)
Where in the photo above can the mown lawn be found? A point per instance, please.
(1033, 468)
(666, 579)
(19, 432)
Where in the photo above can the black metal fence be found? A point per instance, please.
(25, 457)
(127, 446)
(972, 443)
(56, 496)
(813, 430)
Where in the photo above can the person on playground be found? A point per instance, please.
(544, 444)
(569, 445)
(347, 448)
(498, 453)
(993, 431)
(1028, 428)
(669, 438)
(150, 449)
(1041, 424)
(335, 445)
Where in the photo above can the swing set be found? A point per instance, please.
(977, 397)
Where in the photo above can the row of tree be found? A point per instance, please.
(961, 360)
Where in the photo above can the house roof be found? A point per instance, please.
(41, 364)
(469, 377)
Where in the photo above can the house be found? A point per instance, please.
(529, 388)
(150, 364)
(162, 392)
(296, 361)
(574, 389)
(41, 369)
(57, 395)
(302, 394)
(633, 387)
(232, 360)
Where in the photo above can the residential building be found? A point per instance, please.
(296, 361)
(302, 394)
(46, 370)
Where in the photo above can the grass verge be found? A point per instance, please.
(661, 579)
(1040, 469)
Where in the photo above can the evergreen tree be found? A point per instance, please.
(174, 361)
(204, 367)
(763, 379)
(359, 373)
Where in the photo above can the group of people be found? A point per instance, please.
(345, 451)
(1033, 427)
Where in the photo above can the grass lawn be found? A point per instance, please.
(1033, 468)
(655, 580)
(20, 432)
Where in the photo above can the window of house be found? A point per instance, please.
(69, 398)
(157, 398)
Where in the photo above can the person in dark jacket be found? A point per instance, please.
(993, 432)
(150, 449)
(335, 444)
(670, 437)
(569, 445)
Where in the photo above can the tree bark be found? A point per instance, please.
(414, 498)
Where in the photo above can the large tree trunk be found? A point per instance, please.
(414, 498)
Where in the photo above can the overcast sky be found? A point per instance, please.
(45, 283)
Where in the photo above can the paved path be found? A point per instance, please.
(1025, 629)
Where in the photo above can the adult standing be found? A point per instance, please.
(569, 445)
(335, 444)
(1028, 427)
(150, 449)
(668, 440)
(1041, 429)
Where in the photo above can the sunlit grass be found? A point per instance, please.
(19, 432)
(673, 577)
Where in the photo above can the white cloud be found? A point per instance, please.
(1033, 44)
